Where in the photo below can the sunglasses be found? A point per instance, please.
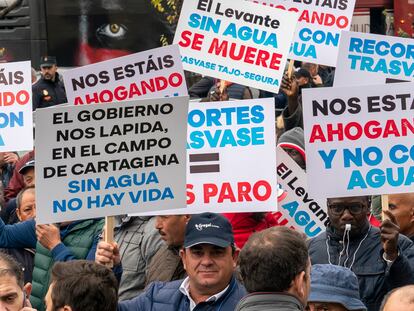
(353, 208)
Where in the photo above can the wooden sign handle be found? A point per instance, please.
(290, 68)
(384, 205)
(109, 233)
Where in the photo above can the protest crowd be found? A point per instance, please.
(257, 212)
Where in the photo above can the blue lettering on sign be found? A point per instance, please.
(319, 37)
(150, 195)
(327, 158)
(371, 156)
(246, 33)
(107, 200)
(204, 23)
(302, 219)
(376, 178)
(381, 48)
(62, 206)
(391, 67)
(229, 137)
(303, 49)
(226, 138)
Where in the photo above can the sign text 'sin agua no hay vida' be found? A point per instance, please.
(110, 160)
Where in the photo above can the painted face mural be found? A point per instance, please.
(88, 31)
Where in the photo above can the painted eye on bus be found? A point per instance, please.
(115, 31)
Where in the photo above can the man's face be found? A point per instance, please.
(27, 209)
(209, 267)
(12, 297)
(402, 207)
(302, 81)
(326, 306)
(29, 177)
(48, 72)
(296, 156)
(354, 212)
(172, 229)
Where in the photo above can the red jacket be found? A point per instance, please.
(16, 182)
(244, 225)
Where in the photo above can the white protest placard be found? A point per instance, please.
(319, 28)
(110, 159)
(359, 141)
(16, 121)
(297, 208)
(366, 59)
(236, 41)
(231, 158)
(149, 74)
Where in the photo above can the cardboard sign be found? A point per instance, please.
(359, 141)
(241, 42)
(231, 158)
(149, 74)
(297, 208)
(319, 29)
(110, 159)
(16, 121)
(366, 59)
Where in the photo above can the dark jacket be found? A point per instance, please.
(375, 276)
(138, 241)
(269, 302)
(48, 93)
(161, 296)
(165, 266)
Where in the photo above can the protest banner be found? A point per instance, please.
(359, 141)
(16, 121)
(231, 158)
(241, 42)
(296, 207)
(148, 74)
(366, 59)
(319, 28)
(110, 159)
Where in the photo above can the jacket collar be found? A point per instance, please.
(283, 300)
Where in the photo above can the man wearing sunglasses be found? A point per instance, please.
(381, 258)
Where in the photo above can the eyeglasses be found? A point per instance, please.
(354, 208)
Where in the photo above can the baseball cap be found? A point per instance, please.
(208, 228)
(28, 165)
(47, 61)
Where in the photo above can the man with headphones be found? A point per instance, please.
(381, 258)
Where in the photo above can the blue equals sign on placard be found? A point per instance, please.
(204, 163)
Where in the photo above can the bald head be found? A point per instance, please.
(402, 207)
(399, 299)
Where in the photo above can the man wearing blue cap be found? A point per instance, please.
(209, 258)
(334, 288)
(49, 90)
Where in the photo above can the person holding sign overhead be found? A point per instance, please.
(381, 258)
(61, 242)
